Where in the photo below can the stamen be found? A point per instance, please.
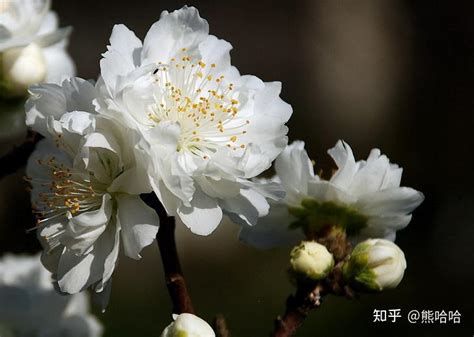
(194, 95)
(66, 191)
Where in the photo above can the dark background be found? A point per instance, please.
(398, 75)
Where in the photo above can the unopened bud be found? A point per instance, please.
(188, 325)
(22, 67)
(311, 260)
(375, 265)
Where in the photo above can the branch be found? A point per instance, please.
(298, 306)
(18, 156)
(169, 256)
(220, 326)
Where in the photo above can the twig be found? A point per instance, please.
(169, 256)
(18, 156)
(220, 326)
(298, 306)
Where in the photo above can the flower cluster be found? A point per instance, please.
(170, 115)
(362, 199)
(32, 47)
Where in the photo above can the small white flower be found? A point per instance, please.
(188, 325)
(375, 264)
(311, 260)
(85, 187)
(206, 129)
(31, 307)
(364, 197)
(32, 47)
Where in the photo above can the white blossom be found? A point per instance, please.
(375, 264)
(32, 47)
(206, 129)
(31, 307)
(188, 325)
(364, 197)
(86, 183)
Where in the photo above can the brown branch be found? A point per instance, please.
(169, 256)
(298, 306)
(220, 326)
(18, 156)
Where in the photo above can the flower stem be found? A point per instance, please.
(174, 277)
(298, 306)
(220, 326)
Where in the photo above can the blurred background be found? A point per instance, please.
(398, 75)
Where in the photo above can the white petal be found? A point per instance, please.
(266, 129)
(272, 230)
(59, 64)
(49, 24)
(216, 51)
(75, 273)
(395, 201)
(323, 190)
(371, 176)
(294, 168)
(122, 57)
(183, 28)
(393, 177)
(139, 224)
(78, 122)
(221, 188)
(52, 100)
(132, 181)
(83, 230)
(203, 216)
(246, 208)
(347, 167)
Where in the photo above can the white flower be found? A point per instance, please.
(206, 129)
(32, 47)
(31, 307)
(311, 260)
(364, 197)
(188, 325)
(85, 187)
(375, 264)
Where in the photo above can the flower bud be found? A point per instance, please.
(311, 260)
(22, 67)
(188, 325)
(375, 265)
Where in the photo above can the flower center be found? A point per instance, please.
(191, 94)
(66, 191)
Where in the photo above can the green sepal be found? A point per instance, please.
(357, 273)
(314, 215)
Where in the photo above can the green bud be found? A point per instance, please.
(375, 265)
(311, 260)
